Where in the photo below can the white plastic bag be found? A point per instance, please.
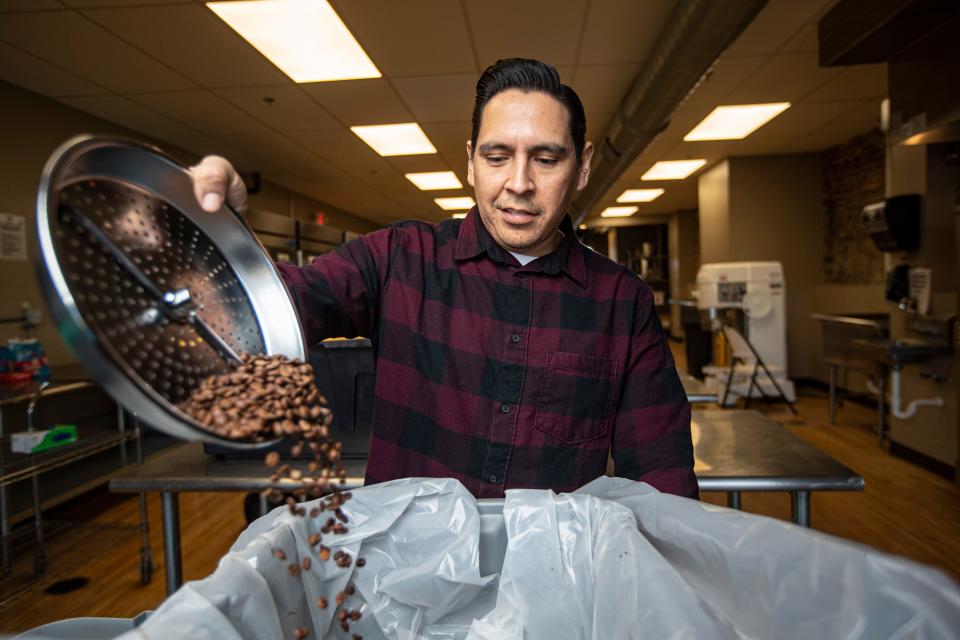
(616, 559)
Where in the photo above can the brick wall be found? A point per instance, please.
(853, 176)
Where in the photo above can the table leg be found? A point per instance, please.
(800, 507)
(39, 556)
(882, 410)
(733, 500)
(5, 530)
(833, 394)
(171, 540)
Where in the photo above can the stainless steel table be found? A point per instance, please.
(742, 450)
(735, 451)
(186, 467)
(696, 390)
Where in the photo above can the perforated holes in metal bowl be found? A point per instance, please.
(169, 357)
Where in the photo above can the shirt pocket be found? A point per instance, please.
(576, 400)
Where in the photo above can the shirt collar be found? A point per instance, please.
(473, 239)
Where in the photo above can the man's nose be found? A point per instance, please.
(520, 180)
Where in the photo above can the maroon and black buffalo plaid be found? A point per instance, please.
(501, 375)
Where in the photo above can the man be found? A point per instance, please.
(508, 354)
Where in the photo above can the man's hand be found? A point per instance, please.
(215, 180)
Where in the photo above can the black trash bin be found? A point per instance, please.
(697, 342)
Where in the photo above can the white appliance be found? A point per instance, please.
(758, 290)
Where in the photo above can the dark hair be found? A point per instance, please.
(528, 75)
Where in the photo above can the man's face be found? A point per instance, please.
(524, 170)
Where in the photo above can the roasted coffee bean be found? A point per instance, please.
(314, 512)
(341, 516)
(314, 539)
(344, 626)
(299, 633)
(324, 553)
(355, 615)
(341, 615)
(349, 589)
(341, 598)
(279, 554)
(361, 562)
(294, 570)
(321, 602)
(357, 636)
(306, 563)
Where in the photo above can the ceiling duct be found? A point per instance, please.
(696, 34)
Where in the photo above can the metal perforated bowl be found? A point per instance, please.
(152, 293)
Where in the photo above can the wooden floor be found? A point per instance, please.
(905, 510)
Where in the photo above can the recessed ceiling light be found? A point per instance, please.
(618, 212)
(434, 180)
(736, 121)
(462, 214)
(640, 195)
(453, 204)
(306, 39)
(406, 139)
(583, 227)
(672, 169)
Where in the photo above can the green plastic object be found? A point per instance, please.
(36, 441)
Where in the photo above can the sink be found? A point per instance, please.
(901, 351)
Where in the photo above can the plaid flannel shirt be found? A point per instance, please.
(501, 375)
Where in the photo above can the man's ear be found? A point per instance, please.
(470, 163)
(583, 177)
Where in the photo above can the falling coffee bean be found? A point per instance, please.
(321, 602)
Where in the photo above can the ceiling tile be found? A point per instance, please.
(372, 170)
(334, 144)
(129, 114)
(783, 77)
(192, 40)
(458, 164)
(317, 169)
(201, 110)
(540, 29)
(360, 102)
(411, 38)
(866, 115)
(418, 164)
(601, 88)
(854, 83)
(273, 147)
(448, 136)
(597, 124)
(284, 107)
(805, 41)
(804, 118)
(36, 75)
(622, 31)
(75, 44)
(776, 23)
(438, 98)
(29, 5)
(88, 4)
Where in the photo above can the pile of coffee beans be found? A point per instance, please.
(267, 397)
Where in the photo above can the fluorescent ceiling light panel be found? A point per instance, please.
(640, 195)
(306, 39)
(406, 139)
(454, 204)
(736, 121)
(672, 169)
(434, 180)
(462, 214)
(618, 212)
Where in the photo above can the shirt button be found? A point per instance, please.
(492, 478)
(505, 408)
(515, 338)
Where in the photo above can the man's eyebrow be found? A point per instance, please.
(546, 147)
(488, 147)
